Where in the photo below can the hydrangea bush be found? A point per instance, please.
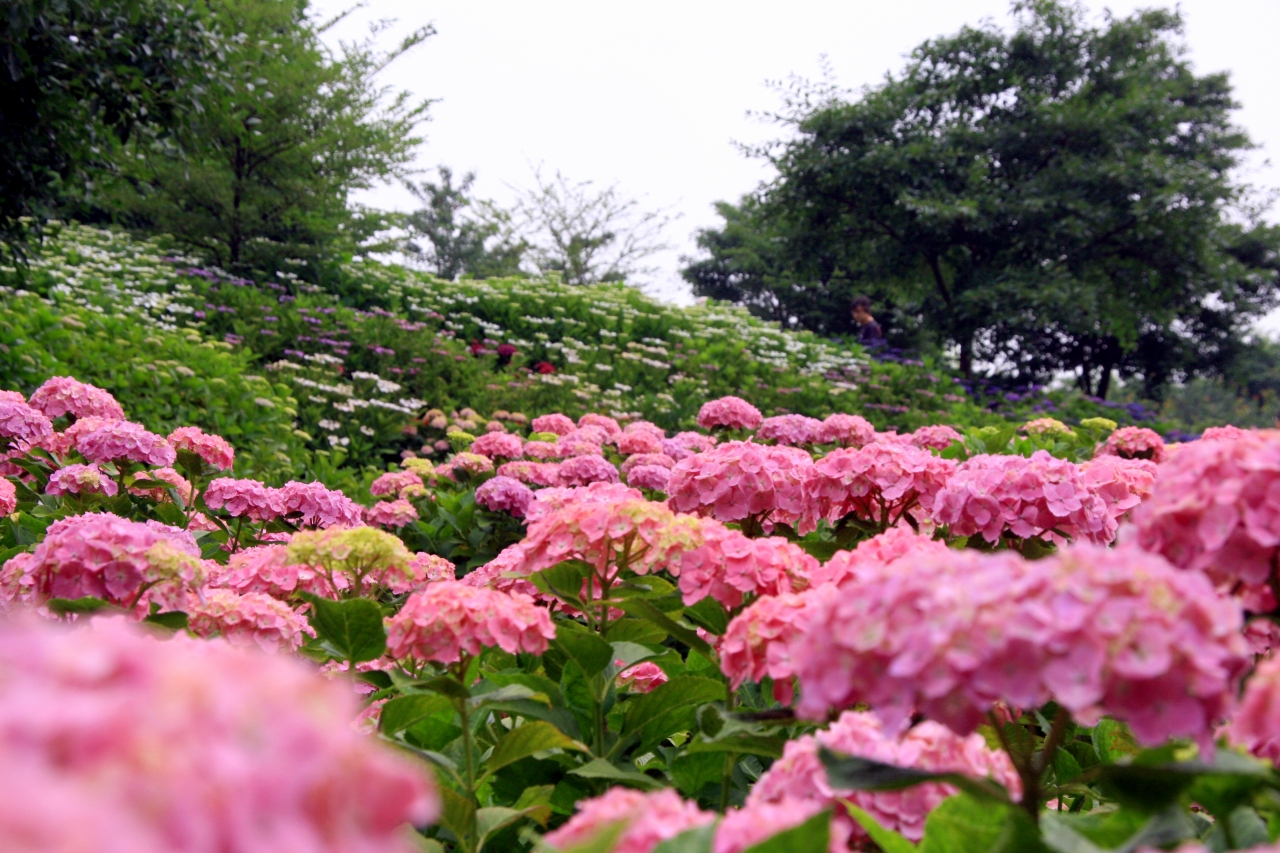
(774, 634)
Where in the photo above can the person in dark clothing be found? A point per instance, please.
(869, 332)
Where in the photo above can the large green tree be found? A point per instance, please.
(77, 78)
(1056, 196)
(270, 164)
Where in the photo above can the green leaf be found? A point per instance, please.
(631, 653)
(888, 840)
(648, 715)
(693, 772)
(87, 604)
(350, 630)
(526, 740)
(497, 818)
(634, 631)
(599, 768)
(852, 772)
(1123, 830)
(643, 609)
(564, 581)
(459, 816)
(404, 711)
(965, 824)
(445, 686)
(696, 840)
(709, 614)
(812, 836)
(1150, 785)
(742, 744)
(584, 647)
(1113, 741)
(174, 620)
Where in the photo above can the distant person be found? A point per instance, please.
(869, 332)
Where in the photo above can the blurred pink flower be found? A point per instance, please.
(1255, 725)
(267, 569)
(880, 483)
(793, 430)
(641, 441)
(1133, 442)
(730, 413)
(248, 498)
(532, 473)
(21, 422)
(660, 459)
(8, 497)
(396, 513)
(187, 746)
(881, 549)
(647, 819)
(499, 445)
(504, 494)
(936, 437)
(652, 477)
(604, 422)
(556, 423)
(728, 566)
(847, 431)
(584, 470)
(393, 483)
(179, 483)
(429, 568)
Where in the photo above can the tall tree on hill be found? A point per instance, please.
(454, 234)
(1058, 197)
(270, 164)
(77, 78)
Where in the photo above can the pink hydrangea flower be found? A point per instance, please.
(542, 450)
(880, 483)
(936, 437)
(648, 820)
(22, 423)
(630, 443)
(112, 558)
(396, 513)
(251, 618)
(503, 494)
(1255, 725)
(8, 497)
(695, 441)
(504, 573)
(582, 442)
(641, 678)
(80, 480)
(729, 413)
(445, 620)
(62, 443)
(746, 827)
(187, 746)
(393, 483)
(1134, 443)
(880, 550)
(1228, 433)
(472, 463)
(429, 568)
(531, 473)
(12, 397)
(660, 459)
(248, 498)
(179, 483)
(741, 479)
(556, 423)
(652, 477)
(62, 395)
(758, 641)
(728, 566)
(546, 501)
(213, 449)
(1121, 483)
(847, 431)
(1040, 496)
(1218, 508)
(646, 426)
(1101, 631)
(604, 422)
(799, 775)
(793, 430)
(497, 445)
(267, 569)
(123, 440)
(584, 470)
(319, 506)
(601, 531)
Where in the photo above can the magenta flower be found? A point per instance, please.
(729, 567)
(641, 678)
(498, 445)
(584, 470)
(640, 441)
(318, 505)
(396, 513)
(660, 459)
(8, 497)
(503, 494)
(62, 395)
(792, 430)
(1134, 443)
(729, 413)
(243, 619)
(80, 480)
(739, 480)
(213, 449)
(847, 431)
(122, 440)
(880, 483)
(652, 477)
(247, 498)
(557, 424)
(20, 422)
(604, 422)
(531, 473)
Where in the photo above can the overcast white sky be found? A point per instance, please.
(653, 95)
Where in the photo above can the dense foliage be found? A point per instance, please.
(1053, 198)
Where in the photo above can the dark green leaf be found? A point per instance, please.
(648, 716)
(87, 604)
(696, 840)
(526, 740)
(351, 630)
(709, 614)
(812, 836)
(644, 609)
(601, 769)
(404, 711)
(584, 647)
(173, 620)
(862, 774)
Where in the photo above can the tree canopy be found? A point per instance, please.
(1056, 197)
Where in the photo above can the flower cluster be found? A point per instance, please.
(212, 449)
(1134, 443)
(793, 430)
(641, 678)
(251, 618)
(244, 498)
(360, 558)
(498, 445)
(1117, 632)
(80, 480)
(448, 619)
(1040, 496)
(8, 497)
(729, 413)
(847, 431)
(1217, 510)
(655, 478)
(879, 483)
(318, 506)
(504, 494)
(728, 566)
(188, 746)
(22, 423)
(394, 483)
(63, 395)
(122, 440)
(267, 569)
(556, 424)
(646, 820)
(170, 479)
(396, 513)
(740, 480)
(584, 470)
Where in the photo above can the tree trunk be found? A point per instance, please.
(966, 356)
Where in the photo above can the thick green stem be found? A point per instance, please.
(468, 759)
(726, 779)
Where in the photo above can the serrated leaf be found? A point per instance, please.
(87, 604)
(708, 614)
(564, 581)
(646, 714)
(585, 648)
(351, 630)
(459, 816)
(631, 653)
(404, 711)
(644, 609)
(812, 836)
(965, 824)
(526, 740)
